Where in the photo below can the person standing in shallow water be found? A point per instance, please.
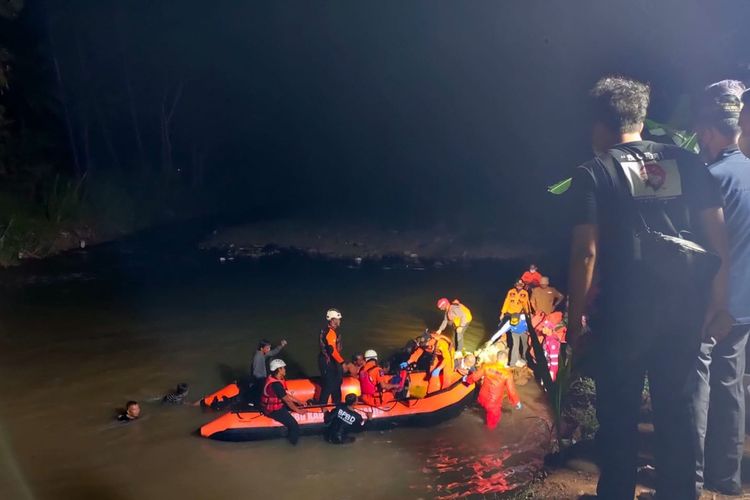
(632, 331)
(342, 420)
(330, 359)
(719, 391)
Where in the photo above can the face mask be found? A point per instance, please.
(744, 144)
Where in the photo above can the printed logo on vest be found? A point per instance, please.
(651, 179)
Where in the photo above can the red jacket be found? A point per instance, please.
(532, 278)
(497, 380)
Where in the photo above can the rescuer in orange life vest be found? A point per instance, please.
(497, 380)
(275, 401)
(516, 301)
(440, 348)
(372, 380)
(330, 360)
(457, 315)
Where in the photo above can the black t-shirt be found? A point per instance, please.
(278, 389)
(342, 420)
(123, 417)
(664, 180)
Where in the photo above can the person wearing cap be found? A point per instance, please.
(545, 298)
(330, 359)
(721, 362)
(342, 420)
(275, 401)
(457, 315)
(532, 277)
(372, 380)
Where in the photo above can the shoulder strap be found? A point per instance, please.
(638, 155)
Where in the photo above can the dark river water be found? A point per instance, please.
(83, 333)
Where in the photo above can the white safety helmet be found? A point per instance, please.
(371, 354)
(333, 314)
(275, 364)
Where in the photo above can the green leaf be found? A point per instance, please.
(560, 187)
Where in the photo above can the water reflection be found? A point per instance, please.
(74, 350)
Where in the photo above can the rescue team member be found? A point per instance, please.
(456, 314)
(497, 381)
(516, 301)
(442, 361)
(258, 371)
(545, 298)
(421, 357)
(275, 401)
(342, 420)
(372, 380)
(719, 390)
(352, 368)
(330, 360)
(531, 278)
(551, 346)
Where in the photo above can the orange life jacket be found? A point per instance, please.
(330, 349)
(368, 383)
(269, 403)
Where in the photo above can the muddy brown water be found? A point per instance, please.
(86, 332)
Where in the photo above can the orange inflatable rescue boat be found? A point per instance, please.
(425, 404)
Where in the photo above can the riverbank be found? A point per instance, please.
(577, 475)
(363, 242)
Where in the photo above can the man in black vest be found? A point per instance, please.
(634, 330)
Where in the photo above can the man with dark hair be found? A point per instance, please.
(342, 420)
(634, 328)
(258, 372)
(132, 412)
(719, 400)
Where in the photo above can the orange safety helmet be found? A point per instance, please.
(443, 303)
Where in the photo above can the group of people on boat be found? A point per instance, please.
(530, 306)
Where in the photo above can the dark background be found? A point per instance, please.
(400, 112)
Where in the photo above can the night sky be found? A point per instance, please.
(403, 112)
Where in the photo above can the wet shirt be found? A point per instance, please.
(123, 417)
(174, 399)
(343, 420)
(732, 170)
(668, 180)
